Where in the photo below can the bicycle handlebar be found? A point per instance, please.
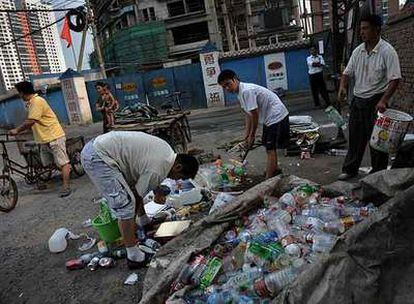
(8, 140)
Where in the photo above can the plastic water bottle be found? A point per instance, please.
(265, 237)
(327, 213)
(274, 282)
(287, 199)
(323, 242)
(280, 227)
(308, 222)
(340, 225)
(278, 215)
(243, 280)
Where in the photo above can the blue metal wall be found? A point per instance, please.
(297, 70)
(155, 85)
(13, 112)
(249, 70)
(252, 70)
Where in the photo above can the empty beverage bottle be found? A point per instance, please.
(243, 280)
(287, 199)
(199, 265)
(267, 252)
(213, 267)
(323, 242)
(234, 261)
(265, 237)
(222, 297)
(273, 283)
(340, 225)
(327, 213)
(278, 215)
(308, 222)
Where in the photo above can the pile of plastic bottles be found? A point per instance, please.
(221, 175)
(265, 251)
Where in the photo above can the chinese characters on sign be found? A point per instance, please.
(275, 67)
(211, 70)
(72, 105)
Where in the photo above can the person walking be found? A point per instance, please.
(375, 67)
(47, 132)
(125, 166)
(315, 64)
(260, 106)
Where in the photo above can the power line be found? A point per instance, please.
(31, 33)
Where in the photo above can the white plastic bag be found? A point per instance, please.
(58, 240)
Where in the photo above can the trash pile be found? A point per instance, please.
(265, 251)
(221, 176)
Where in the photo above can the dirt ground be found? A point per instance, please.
(29, 273)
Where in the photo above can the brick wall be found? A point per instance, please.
(399, 32)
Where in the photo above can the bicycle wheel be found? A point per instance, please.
(75, 162)
(8, 193)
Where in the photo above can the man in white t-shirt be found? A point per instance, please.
(375, 68)
(260, 106)
(125, 166)
(315, 64)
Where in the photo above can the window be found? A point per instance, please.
(175, 8)
(195, 5)
(148, 14)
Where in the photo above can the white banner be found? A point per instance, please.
(211, 69)
(275, 67)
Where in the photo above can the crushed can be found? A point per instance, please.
(119, 254)
(150, 243)
(94, 264)
(102, 248)
(75, 264)
(107, 262)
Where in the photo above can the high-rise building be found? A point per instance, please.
(32, 53)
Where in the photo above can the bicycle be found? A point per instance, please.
(34, 171)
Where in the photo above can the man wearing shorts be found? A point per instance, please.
(125, 166)
(260, 106)
(47, 131)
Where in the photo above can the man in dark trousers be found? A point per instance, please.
(375, 67)
(315, 65)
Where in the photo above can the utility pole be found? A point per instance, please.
(229, 36)
(95, 37)
(82, 48)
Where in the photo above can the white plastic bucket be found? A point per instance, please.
(389, 130)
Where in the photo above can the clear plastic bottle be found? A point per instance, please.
(308, 222)
(288, 199)
(327, 213)
(235, 260)
(278, 215)
(243, 280)
(340, 225)
(323, 242)
(273, 283)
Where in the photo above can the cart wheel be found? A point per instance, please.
(75, 162)
(8, 193)
(179, 141)
(186, 127)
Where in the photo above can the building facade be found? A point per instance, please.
(188, 25)
(30, 53)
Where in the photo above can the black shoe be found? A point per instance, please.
(132, 265)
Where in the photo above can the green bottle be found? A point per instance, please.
(213, 267)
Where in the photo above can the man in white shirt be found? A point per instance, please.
(315, 65)
(375, 67)
(125, 166)
(260, 106)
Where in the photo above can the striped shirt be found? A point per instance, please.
(373, 71)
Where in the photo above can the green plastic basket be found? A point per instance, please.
(106, 225)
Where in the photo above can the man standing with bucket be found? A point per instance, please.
(125, 166)
(375, 67)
